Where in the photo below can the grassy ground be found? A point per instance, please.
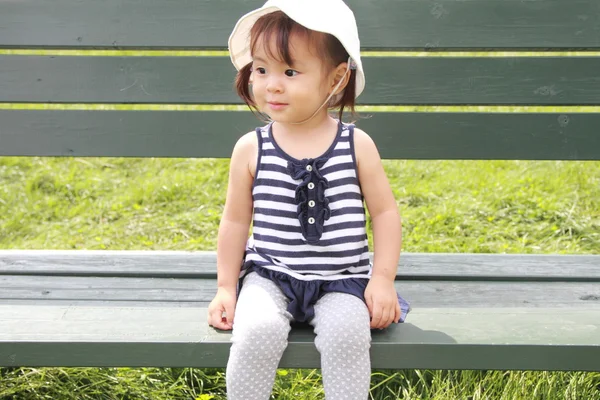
(454, 206)
(447, 206)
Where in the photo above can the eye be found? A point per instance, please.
(260, 70)
(291, 72)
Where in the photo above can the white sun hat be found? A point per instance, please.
(328, 16)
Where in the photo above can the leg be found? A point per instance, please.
(343, 338)
(260, 329)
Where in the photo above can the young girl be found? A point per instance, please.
(301, 181)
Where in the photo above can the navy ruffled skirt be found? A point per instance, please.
(303, 295)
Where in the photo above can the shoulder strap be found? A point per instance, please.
(352, 148)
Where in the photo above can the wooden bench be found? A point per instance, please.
(142, 308)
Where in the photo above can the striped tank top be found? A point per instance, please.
(309, 226)
(309, 218)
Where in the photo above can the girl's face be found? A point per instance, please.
(289, 93)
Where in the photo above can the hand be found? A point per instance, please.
(382, 302)
(223, 302)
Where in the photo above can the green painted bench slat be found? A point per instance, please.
(178, 337)
(422, 24)
(431, 293)
(202, 265)
(523, 136)
(208, 80)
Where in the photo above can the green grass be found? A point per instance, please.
(207, 384)
(447, 206)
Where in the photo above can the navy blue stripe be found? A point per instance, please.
(292, 186)
(343, 181)
(293, 214)
(274, 197)
(298, 242)
(277, 227)
(334, 153)
(274, 168)
(291, 200)
(340, 152)
(336, 168)
(275, 213)
(345, 196)
(321, 254)
(343, 225)
(276, 183)
(324, 171)
(346, 211)
(326, 228)
(272, 153)
(309, 267)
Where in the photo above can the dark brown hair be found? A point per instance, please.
(328, 48)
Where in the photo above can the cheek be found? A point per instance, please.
(312, 86)
(257, 88)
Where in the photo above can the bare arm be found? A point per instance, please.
(387, 231)
(233, 230)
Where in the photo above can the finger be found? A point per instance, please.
(211, 314)
(369, 302)
(230, 313)
(376, 320)
(224, 326)
(385, 318)
(216, 319)
(391, 316)
(213, 317)
(398, 313)
(221, 324)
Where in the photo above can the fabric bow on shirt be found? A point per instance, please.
(313, 218)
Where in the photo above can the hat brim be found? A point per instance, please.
(239, 40)
(239, 43)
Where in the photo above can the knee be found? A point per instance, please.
(344, 336)
(262, 332)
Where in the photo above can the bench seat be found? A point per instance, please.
(148, 308)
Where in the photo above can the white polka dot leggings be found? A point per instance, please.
(260, 330)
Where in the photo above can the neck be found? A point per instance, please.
(319, 122)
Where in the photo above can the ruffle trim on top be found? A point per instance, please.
(313, 207)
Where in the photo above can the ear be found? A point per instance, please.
(339, 73)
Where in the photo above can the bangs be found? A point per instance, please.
(279, 26)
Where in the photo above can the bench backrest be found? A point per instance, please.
(420, 58)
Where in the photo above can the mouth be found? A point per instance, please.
(274, 105)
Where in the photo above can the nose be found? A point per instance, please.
(274, 84)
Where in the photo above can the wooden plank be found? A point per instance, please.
(433, 293)
(524, 136)
(208, 80)
(202, 265)
(103, 303)
(424, 24)
(486, 338)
